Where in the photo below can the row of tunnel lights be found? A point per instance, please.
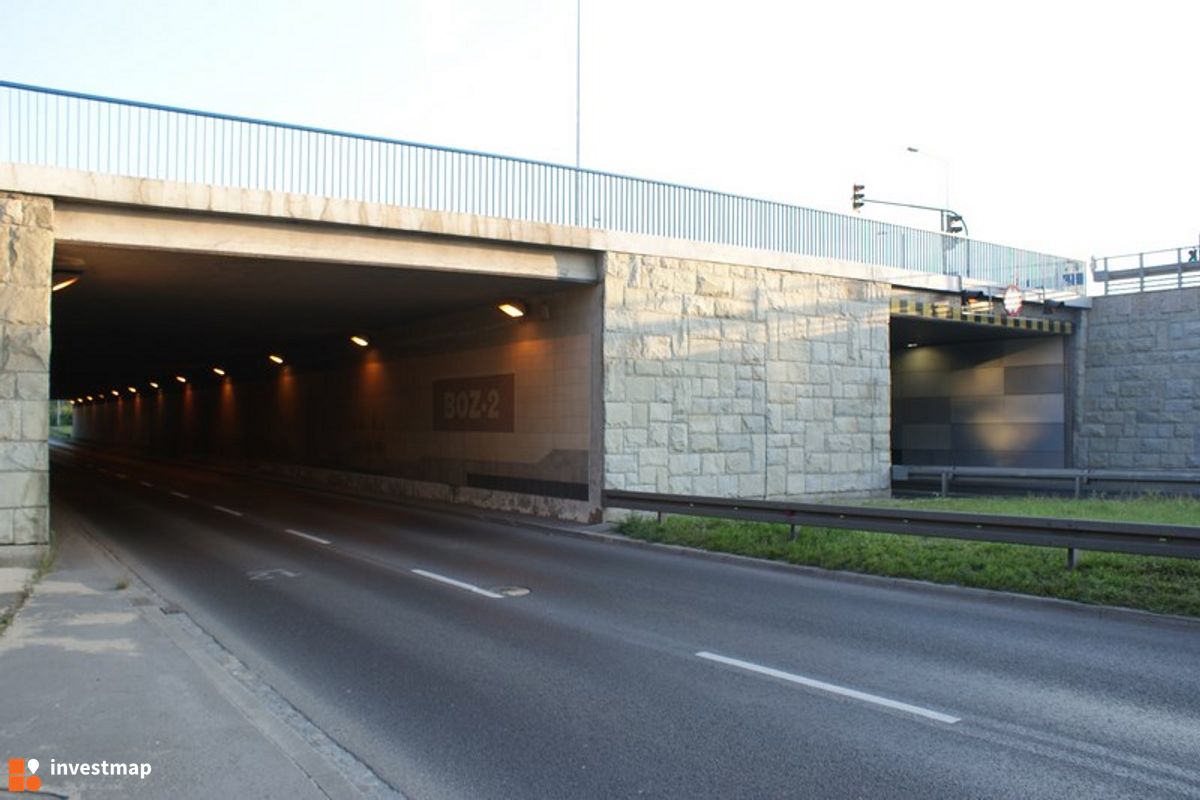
(220, 372)
(514, 309)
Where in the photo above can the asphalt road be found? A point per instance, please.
(626, 672)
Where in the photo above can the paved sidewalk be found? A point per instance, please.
(12, 586)
(94, 673)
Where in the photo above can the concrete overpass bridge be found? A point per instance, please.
(324, 305)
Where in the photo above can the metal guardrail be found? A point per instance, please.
(1174, 541)
(1078, 479)
(145, 140)
(1149, 271)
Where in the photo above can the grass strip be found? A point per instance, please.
(1163, 585)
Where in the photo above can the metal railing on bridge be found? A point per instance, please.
(144, 140)
(1150, 271)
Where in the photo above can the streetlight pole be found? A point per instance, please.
(578, 72)
(945, 169)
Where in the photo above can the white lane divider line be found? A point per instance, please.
(180, 495)
(228, 511)
(433, 576)
(831, 688)
(304, 535)
(122, 475)
(147, 484)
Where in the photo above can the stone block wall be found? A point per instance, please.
(739, 381)
(1141, 386)
(26, 258)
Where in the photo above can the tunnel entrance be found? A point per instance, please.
(402, 381)
(974, 387)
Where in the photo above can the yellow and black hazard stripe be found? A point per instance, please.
(909, 307)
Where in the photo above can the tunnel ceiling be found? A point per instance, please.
(137, 315)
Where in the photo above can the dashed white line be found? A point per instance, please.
(831, 688)
(229, 511)
(122, 475)
(304, 535)
(433, 576)
(147, 484)
(180, 495)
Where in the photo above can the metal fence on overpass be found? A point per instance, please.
(143, 140)
(1149, 271)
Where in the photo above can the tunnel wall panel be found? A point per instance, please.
(998, 403)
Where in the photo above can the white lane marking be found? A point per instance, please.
(122, 475)
(831, 688)
(229, 511)
(443, 579)
(179, 494)
(147, 484)
(304, 535)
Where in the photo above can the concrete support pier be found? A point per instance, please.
(26, 264)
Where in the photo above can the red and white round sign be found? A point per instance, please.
(1013, 300)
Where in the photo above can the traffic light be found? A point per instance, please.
(954, 223)
(858, 199)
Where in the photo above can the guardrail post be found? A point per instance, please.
(1178, 267)
(1078, 486)
(792, 533)
(945, 483)
(1072, 558)
(1141, 272)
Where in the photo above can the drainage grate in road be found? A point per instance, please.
(171, 608)
(511, 591)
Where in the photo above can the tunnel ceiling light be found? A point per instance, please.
(911, 345)
(360, 341)
(132, 389)
(276, 359)
(181, 379)
(219, 371)
(115, 393)
(90, 398)
(63, 278)
(514, 308)
(153, 384)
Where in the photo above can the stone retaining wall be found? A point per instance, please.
(26, 257)
(739, 381)
(1141, 388)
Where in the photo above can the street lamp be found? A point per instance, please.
(945, 169)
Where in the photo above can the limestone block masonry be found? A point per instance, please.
(26, 258)
(1141, 393)
(739, 381)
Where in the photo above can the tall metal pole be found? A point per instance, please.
(578, 42)
(578, 71)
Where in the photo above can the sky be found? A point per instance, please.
(1065, 127)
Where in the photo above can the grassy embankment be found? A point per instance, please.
(1164, 585)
